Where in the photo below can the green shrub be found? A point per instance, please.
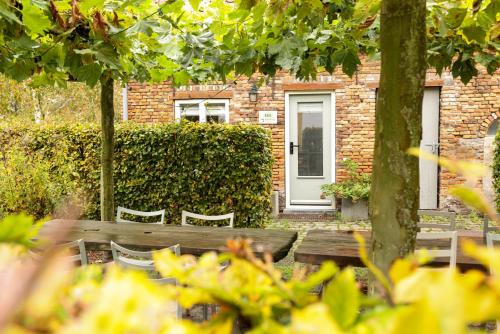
(31, 183)
(496, 170)
(355, 187)
(205, 168)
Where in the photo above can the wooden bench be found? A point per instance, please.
(341, 247)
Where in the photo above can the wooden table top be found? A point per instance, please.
(194, 240)
(342, 248)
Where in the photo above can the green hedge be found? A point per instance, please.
(496, 170)
(205, 168)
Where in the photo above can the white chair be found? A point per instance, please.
(451, 252)
(122, 210)
(128, 258)
(487, 228)
(187, 214)
(491, 238)
(81, 256)
(448, 225)
(184, 222)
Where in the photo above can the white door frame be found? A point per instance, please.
(287, 141)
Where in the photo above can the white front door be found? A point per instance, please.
(309, 148)
(429, 143)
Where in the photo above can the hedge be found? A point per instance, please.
(496, 170)
(204, 168)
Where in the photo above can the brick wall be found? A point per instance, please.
(465, 113)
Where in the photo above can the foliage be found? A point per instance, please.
(468, 193)
(32, 184)
(355, 187)
(76, 102)
(60, 41)
(19, 230)
(306, 37)
(254, 298)
(496, 171)
(204, 168)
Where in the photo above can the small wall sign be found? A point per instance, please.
(268, 117)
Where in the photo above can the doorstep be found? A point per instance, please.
(308, 215)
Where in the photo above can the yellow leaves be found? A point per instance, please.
(473, 198)
(455, 299)
(401, 269)
(490, 258)
(343, 298)
(139, 306)
(471, 171)
(313, 319)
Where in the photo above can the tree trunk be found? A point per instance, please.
(107, 133)
(398, 126)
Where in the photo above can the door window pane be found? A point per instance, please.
(310, 138)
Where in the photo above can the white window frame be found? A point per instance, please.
(202, 108)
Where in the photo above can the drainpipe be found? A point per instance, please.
(125, 103)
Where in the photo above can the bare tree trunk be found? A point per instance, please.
(395, 188)
(38, 106)
(107, 125)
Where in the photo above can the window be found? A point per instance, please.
(203, 110)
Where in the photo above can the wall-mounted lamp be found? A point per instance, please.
(253, 93)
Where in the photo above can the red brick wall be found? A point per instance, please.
(465, 113)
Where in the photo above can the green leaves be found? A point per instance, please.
(86, 5)
(89, 74)
(34, 18)
(210, 173)
(20, 229)
(343, 298)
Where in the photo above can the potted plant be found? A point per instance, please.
(353, 192)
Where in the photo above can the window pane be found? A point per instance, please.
(190, 112)
(191, 118)
(216, 112)
(189, 109)
(310, 139)
(216, 119)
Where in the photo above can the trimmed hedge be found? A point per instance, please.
(496, 170)
(205, 168)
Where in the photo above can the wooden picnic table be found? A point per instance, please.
(341, 247)
(194, 240)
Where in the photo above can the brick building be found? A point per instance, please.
(333, 118)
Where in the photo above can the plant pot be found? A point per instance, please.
(354, 210)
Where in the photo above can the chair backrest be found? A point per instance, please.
(449, 252)
(448, 225)
(128, 258)
(122, 210)
(81, 255)
(136, 259)
(78, 247)
(488, 227)
(491, 238)
(187, 214)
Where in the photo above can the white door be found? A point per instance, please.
(429, 143)
(310, 137)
